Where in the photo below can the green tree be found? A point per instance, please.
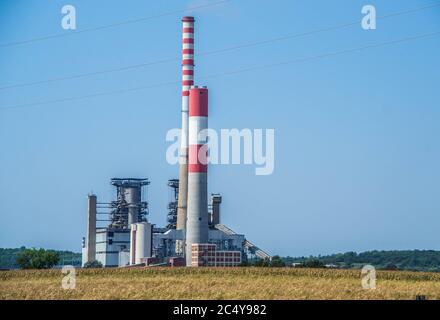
(92, 264)
(391, 267)
(262, 263)
(277, 262)
(313, 263)
(37, 259)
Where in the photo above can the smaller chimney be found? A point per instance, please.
(91, 228)
(216, 200)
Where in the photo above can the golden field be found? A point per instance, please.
(217, 283)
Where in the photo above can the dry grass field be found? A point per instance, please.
(218, 283)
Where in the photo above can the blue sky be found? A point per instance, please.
(357, 148)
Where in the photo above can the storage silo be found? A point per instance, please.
(141, 235)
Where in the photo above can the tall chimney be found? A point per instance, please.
(91, 228)
(187, 82)
(197, 215)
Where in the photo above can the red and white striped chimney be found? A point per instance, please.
(197, 213)
(187, 82)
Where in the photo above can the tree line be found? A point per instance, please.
(411, 260)
(32, 258)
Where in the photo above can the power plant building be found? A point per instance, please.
(119, 233)
(105, 244)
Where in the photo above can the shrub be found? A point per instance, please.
(92, 264)
(313, 263)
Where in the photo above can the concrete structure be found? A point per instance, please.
(141, 241)
(124, 258)
(133, 198)
(91, 229)
(109, 244)
(197, 207)
(187, 82)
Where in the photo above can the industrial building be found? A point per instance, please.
(193, 236)
(113, 242)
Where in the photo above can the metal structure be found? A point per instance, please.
(128, 207)
(249, 246)
(187, 82)
(197, 212)
(216, 200)
(105, 243)
(173, 204)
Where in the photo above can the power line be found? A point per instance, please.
(207, 53)
(88, 74)
(93, 95)
(326, 55)
(321, 56)
(113, 25)
(340, 26)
